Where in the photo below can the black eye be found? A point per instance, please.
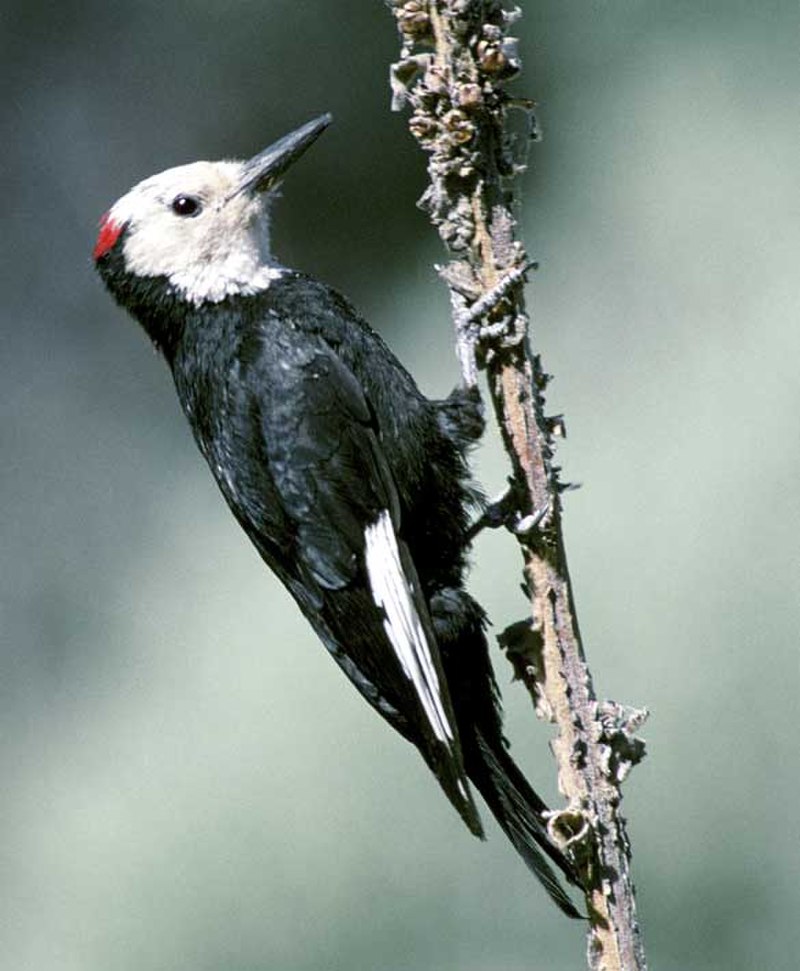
(186, 206)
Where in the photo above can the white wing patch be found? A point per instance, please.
(391, 591)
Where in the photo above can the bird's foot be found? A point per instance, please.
(525, 526)
(504, 510)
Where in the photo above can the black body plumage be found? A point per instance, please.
(322, 444)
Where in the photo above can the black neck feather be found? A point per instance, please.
(152, 300)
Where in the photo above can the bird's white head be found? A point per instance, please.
(204, 227)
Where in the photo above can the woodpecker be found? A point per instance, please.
(353, 486)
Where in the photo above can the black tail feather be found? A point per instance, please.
(459, 624)
(518, 810)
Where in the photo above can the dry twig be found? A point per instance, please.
(455, 60)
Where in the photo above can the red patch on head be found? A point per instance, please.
(108, 235)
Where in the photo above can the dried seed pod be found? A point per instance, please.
(491, 58)
(423, 128)
(469, 96)
(435, 80)
(459, 127)
(413, 19)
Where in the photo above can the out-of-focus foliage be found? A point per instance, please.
(188, 782)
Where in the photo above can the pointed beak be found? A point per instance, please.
(263, 170)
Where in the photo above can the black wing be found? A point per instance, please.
(346, 563)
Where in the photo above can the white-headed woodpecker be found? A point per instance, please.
(352, 485)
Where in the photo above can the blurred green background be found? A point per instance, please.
(188, 782)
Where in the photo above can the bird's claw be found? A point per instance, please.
(498, 512)
(525, 526)
(503, 510)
